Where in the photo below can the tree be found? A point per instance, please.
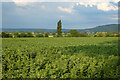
(68, 35)
(109, 35)
(39, 35)
(46, 34)
(82, 35)
(29, 34)
(23, 34)
(6, 35)
(59, 29)
(16, 34)
(74, 33)
(9, 35)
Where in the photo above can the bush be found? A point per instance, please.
(46, 34)
(74, 33)
(6, 35)
(39, 35)
(109, 35)
(82, 35)
(29, 34)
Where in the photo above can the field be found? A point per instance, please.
(60, 57)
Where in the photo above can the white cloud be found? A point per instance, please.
(20, 3)
(107, 6)
(104, 6)
(68, 10)
(61, 0)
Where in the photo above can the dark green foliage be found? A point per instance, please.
(29, 34)
(83, 35)
(46, 34)
(39, 35)
(59, 29)
(109, 35)
(74, 33)
(16, 34)
(6, 35)
(95, 35)
(26, 35)
(20, 35)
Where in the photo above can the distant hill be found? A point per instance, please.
(103, 28)
(32, 29)
(27, 29)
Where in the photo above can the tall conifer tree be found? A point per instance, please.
(59, 29)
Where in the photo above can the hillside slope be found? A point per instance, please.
(103, 28)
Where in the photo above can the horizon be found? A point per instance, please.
(56, 28)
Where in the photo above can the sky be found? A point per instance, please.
(45, 15)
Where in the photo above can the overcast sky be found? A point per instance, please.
(46, 14)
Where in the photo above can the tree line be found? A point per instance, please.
(71, 33)
(23, 34)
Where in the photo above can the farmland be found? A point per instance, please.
(86, 57)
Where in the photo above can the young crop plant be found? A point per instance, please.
(60, 58)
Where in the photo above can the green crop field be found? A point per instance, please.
(85, 57)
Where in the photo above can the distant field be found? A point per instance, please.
(74, 57)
